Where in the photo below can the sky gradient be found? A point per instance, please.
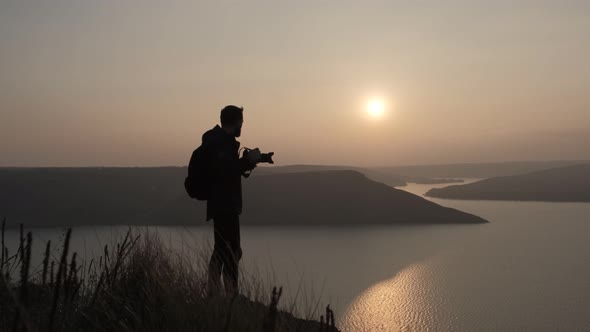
(135, 83)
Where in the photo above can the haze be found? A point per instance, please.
(135, 83)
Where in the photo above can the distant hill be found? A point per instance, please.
(476, 170)
(155, 196)
(340, 197)
(389, 178)
(563, 184)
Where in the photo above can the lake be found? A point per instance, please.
(527, 270)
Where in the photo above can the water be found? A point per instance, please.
(528, 270)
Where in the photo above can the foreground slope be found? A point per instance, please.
(563, 184)
(155, 196)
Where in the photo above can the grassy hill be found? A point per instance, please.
(136, 285)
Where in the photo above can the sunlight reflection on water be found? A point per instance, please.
(406, 302)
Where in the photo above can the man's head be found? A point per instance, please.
(232, 118)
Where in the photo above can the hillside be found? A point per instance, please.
(389, 178)
(563, 184)
(155, 196)
(340, 197)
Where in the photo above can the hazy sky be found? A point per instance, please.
(135, 83)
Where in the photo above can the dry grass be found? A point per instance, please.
(135, 285)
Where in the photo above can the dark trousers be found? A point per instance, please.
(226, 254)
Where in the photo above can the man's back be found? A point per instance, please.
(226, 169)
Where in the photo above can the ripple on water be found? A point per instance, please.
(406, 302)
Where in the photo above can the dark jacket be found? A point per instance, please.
(226, 172)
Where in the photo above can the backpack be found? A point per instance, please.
(198, 182)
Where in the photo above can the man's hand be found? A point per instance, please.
(254, 156)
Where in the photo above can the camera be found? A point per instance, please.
(264, 157)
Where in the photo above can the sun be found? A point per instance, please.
(375, 108)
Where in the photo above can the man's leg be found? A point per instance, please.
(226, 254)
(216, 261)
(230, 267)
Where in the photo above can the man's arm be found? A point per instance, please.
(224, 163)
(245, 165)
(248, 161)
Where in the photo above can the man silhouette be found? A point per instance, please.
(224, 205)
